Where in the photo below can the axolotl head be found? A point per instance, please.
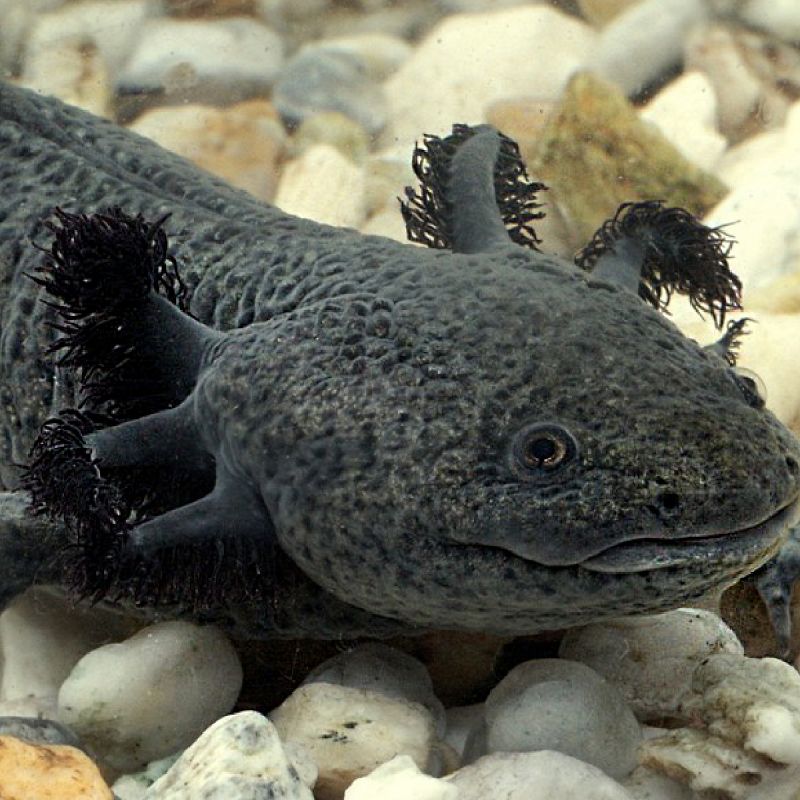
(478, 437)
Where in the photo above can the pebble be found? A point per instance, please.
(685, 112)
(35, 730)
(643, 42)
(42, 638)
(18, 18)
(386, 670)
(72, 72)
(242, 144)
(644, 784)
(779, 17)
(468, 61)
(379, 53)
(144, 698)
(540, 775)
(461, 721)
(348, 732)
(110, 27)
(601, 12)
(745, 730)
(400, 779)
(135, 785)
(594, 136)
(651, 659)
(555, 704)
(323, 185)
(240, 757)
(335, 129)
(318, 79)
(48, 772)
(220, 61)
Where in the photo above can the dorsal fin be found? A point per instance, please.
(475, 194)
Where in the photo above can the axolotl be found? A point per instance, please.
(227, 413)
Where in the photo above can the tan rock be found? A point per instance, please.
(335, 129)
(600, 12)
(595, 153)
(242, 144)
(325, 186)
(48, 772)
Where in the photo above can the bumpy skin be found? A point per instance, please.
(373, 407)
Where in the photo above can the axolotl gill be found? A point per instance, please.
(234, 415)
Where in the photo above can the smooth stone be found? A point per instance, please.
(349, 732)
(38, 731)
(111, 27)
(555, 704)
(779, 17)
(643, 42)
(685, 111)
(42, 637)
(323, 185)
(651, 659)
(461, 721)
(18, 19)
(466, 62)
(209, 8)
(240, 757)
(242, 144)
(335, 129)
(144, 698)
(212, 61)
(387, 222)
(596, 153)
(400, 779)
(601, 12)
(379, 53)
(386, 670)
(72, 72)
(48, 772)
(540, 775)
(318, 79)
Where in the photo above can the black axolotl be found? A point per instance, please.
(295, 430)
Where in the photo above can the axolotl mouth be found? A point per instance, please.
(749, 546)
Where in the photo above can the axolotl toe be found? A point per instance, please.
(232, 414)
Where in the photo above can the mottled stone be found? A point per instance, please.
(38, 731)
(335, 129)
(595, 153)
(349, 732)
(153, 694)
(651, 659)
(240, 757)
(48, 772)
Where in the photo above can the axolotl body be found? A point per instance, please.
(346, 435)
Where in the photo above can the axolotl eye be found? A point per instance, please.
(752, 387)
(541, 449)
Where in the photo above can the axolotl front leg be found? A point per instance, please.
(117, 293)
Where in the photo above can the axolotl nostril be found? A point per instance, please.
(232, 414)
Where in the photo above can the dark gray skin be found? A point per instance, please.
(364, 405)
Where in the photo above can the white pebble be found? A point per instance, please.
(42, 637)
(651, 659)
(780, 17)
(468, 61)
(349, 732)
(382, 669)
(461, 721)
(151, 695)
(644, 41)
(225, 60)
(239, 757)
(555, 704)
(400, 779)
(685, 112)
(542, 775)
(323, 185)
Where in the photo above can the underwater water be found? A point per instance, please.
(404, 648)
